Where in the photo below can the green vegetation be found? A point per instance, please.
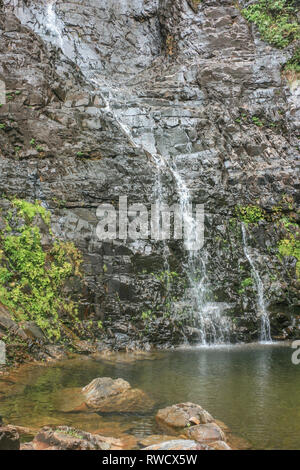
(291, 69)
(250, 214)
(148, 315)
(72, 433)
(257, 121)
(2, 126)
(291, 247)
(276, 20)
(33, 277)
(247, 282)
(294, 63)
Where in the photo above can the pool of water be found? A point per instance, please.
(254, 389)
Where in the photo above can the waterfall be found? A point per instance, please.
(265, 333)
(55, 27)
(208, 319)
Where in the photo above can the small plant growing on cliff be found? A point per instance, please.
(33, 277)
(247, 282)
(291, 247)
(257, 121)
(249, 214)
(276, 20)
(291, 69)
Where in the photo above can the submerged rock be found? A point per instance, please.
(182, 415)
(155, 439)
(220, 445)
(106, 395)
(178, 444)
(9, 438)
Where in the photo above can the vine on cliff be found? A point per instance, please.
(33, 274)
(276, 20)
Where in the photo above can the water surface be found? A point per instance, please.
(254, 389)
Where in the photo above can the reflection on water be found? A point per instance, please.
(254, 389)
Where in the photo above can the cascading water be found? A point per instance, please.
(211, 325)
(265, 335)
(55, 27)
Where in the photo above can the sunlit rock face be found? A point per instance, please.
(106, 87)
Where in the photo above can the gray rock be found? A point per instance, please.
(178, 444)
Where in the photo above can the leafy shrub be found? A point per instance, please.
(291, 247)
(249, 214)
(276, 20)
(32, 277)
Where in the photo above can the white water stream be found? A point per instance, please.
(265, 333)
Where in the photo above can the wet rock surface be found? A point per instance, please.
(178, 444)
(68, 438)
(9, 438)
(190, 83)
(182, 415)
(106, 395)
(205, 433)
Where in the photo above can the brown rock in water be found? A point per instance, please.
(106, 395)
(179, 444)
(67, 438)
(155, 439)
(69, 400)
(220, 445)
(205, 433)
(9, 438)
(181, 415)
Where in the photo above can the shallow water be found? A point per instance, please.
(254, 389)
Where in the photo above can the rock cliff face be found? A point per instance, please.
(95, 91)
